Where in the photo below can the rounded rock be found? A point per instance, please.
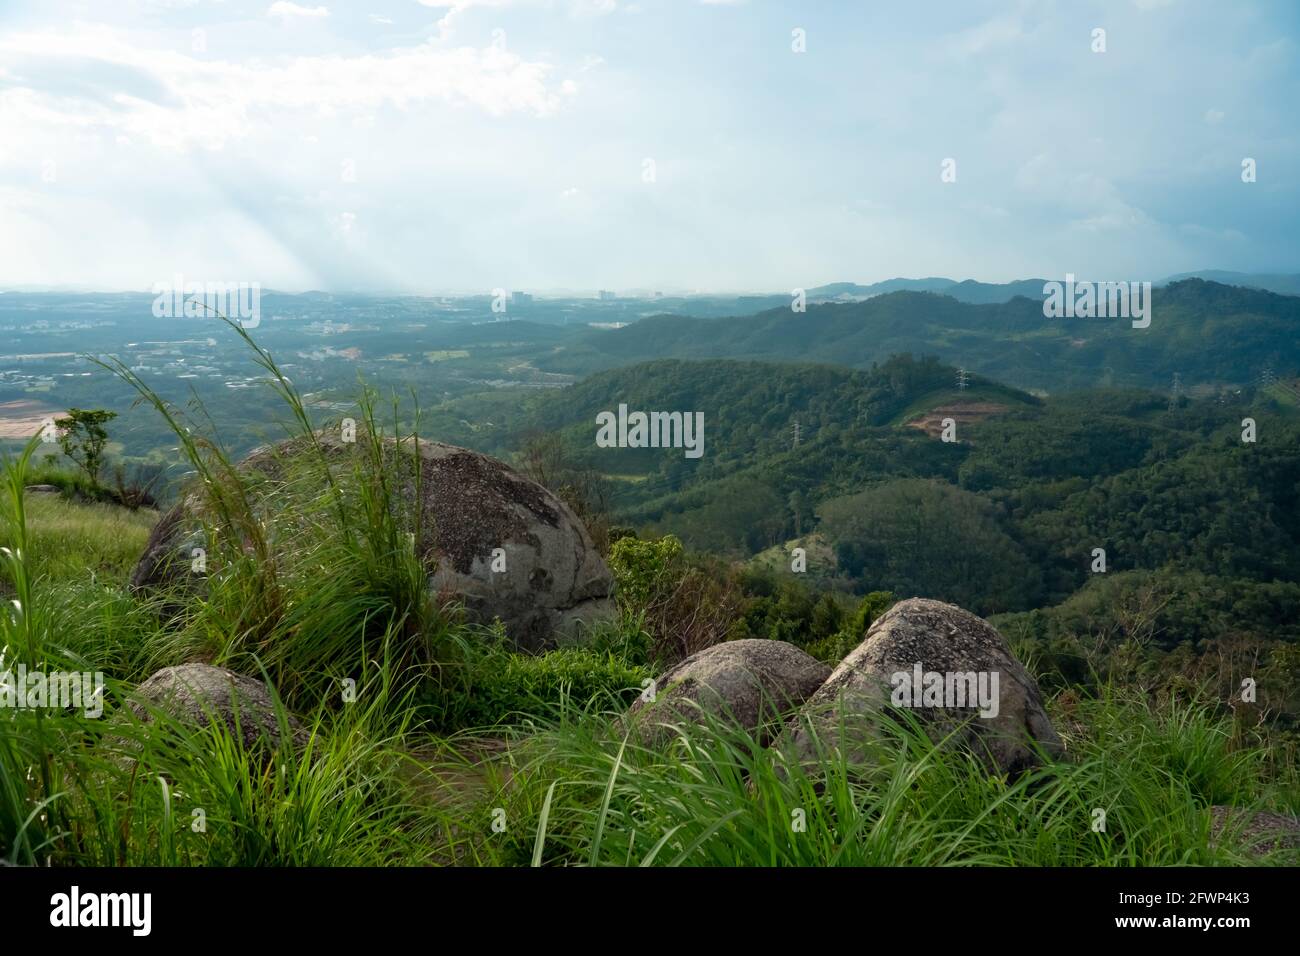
(499, 543)
(1006, 731)
(751, 682)
(200, 694)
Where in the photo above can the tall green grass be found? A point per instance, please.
(577, 792)
(311, 554)
(313, 578)
(124, 792)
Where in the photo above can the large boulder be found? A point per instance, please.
(750, 682)
(199, 695)
(967, 684)
(553, 583)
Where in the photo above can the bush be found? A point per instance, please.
(837, 646)
(684, 604)
(501, 687)
(643, 569)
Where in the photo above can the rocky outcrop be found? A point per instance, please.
(751, 682)
(199, 694)
(490, 538)
(943, 664)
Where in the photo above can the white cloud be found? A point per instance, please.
(177, 101)
(457, 8)
(284, 10)
(988, 36)
(592, 8)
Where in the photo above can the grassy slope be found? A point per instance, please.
(820, 554)
(74, 538)
(373, 789)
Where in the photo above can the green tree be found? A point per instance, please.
(915, 537)
(82, 437)
(644, 569)
(799, 505)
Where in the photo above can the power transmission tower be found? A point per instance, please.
(1175, 391)
(963, 379)
(796, 433)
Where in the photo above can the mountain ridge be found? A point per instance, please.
(1211, 334)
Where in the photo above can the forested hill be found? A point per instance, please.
(1211, 335)
(967, 290)
(972, 290)
(1005, 518)
(752, 410)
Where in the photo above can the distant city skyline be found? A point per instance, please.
(569, 146)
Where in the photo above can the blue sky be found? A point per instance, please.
(411, 147)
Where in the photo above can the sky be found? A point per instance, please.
(545, 145)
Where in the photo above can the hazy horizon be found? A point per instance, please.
(630, 292)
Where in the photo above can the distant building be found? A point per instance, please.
(521, 298)
(604, 295)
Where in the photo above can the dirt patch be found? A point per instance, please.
(963, 413)
(24, 418)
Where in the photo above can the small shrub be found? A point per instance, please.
(685, 604)
(837, 646)
(501, 686)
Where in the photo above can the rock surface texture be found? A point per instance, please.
(750, 681)
(469, 506)
(200, 694)
(945, 640)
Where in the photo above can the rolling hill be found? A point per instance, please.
(1212, 335)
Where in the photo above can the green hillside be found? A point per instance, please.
(1005, 519)
(1211, 335)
